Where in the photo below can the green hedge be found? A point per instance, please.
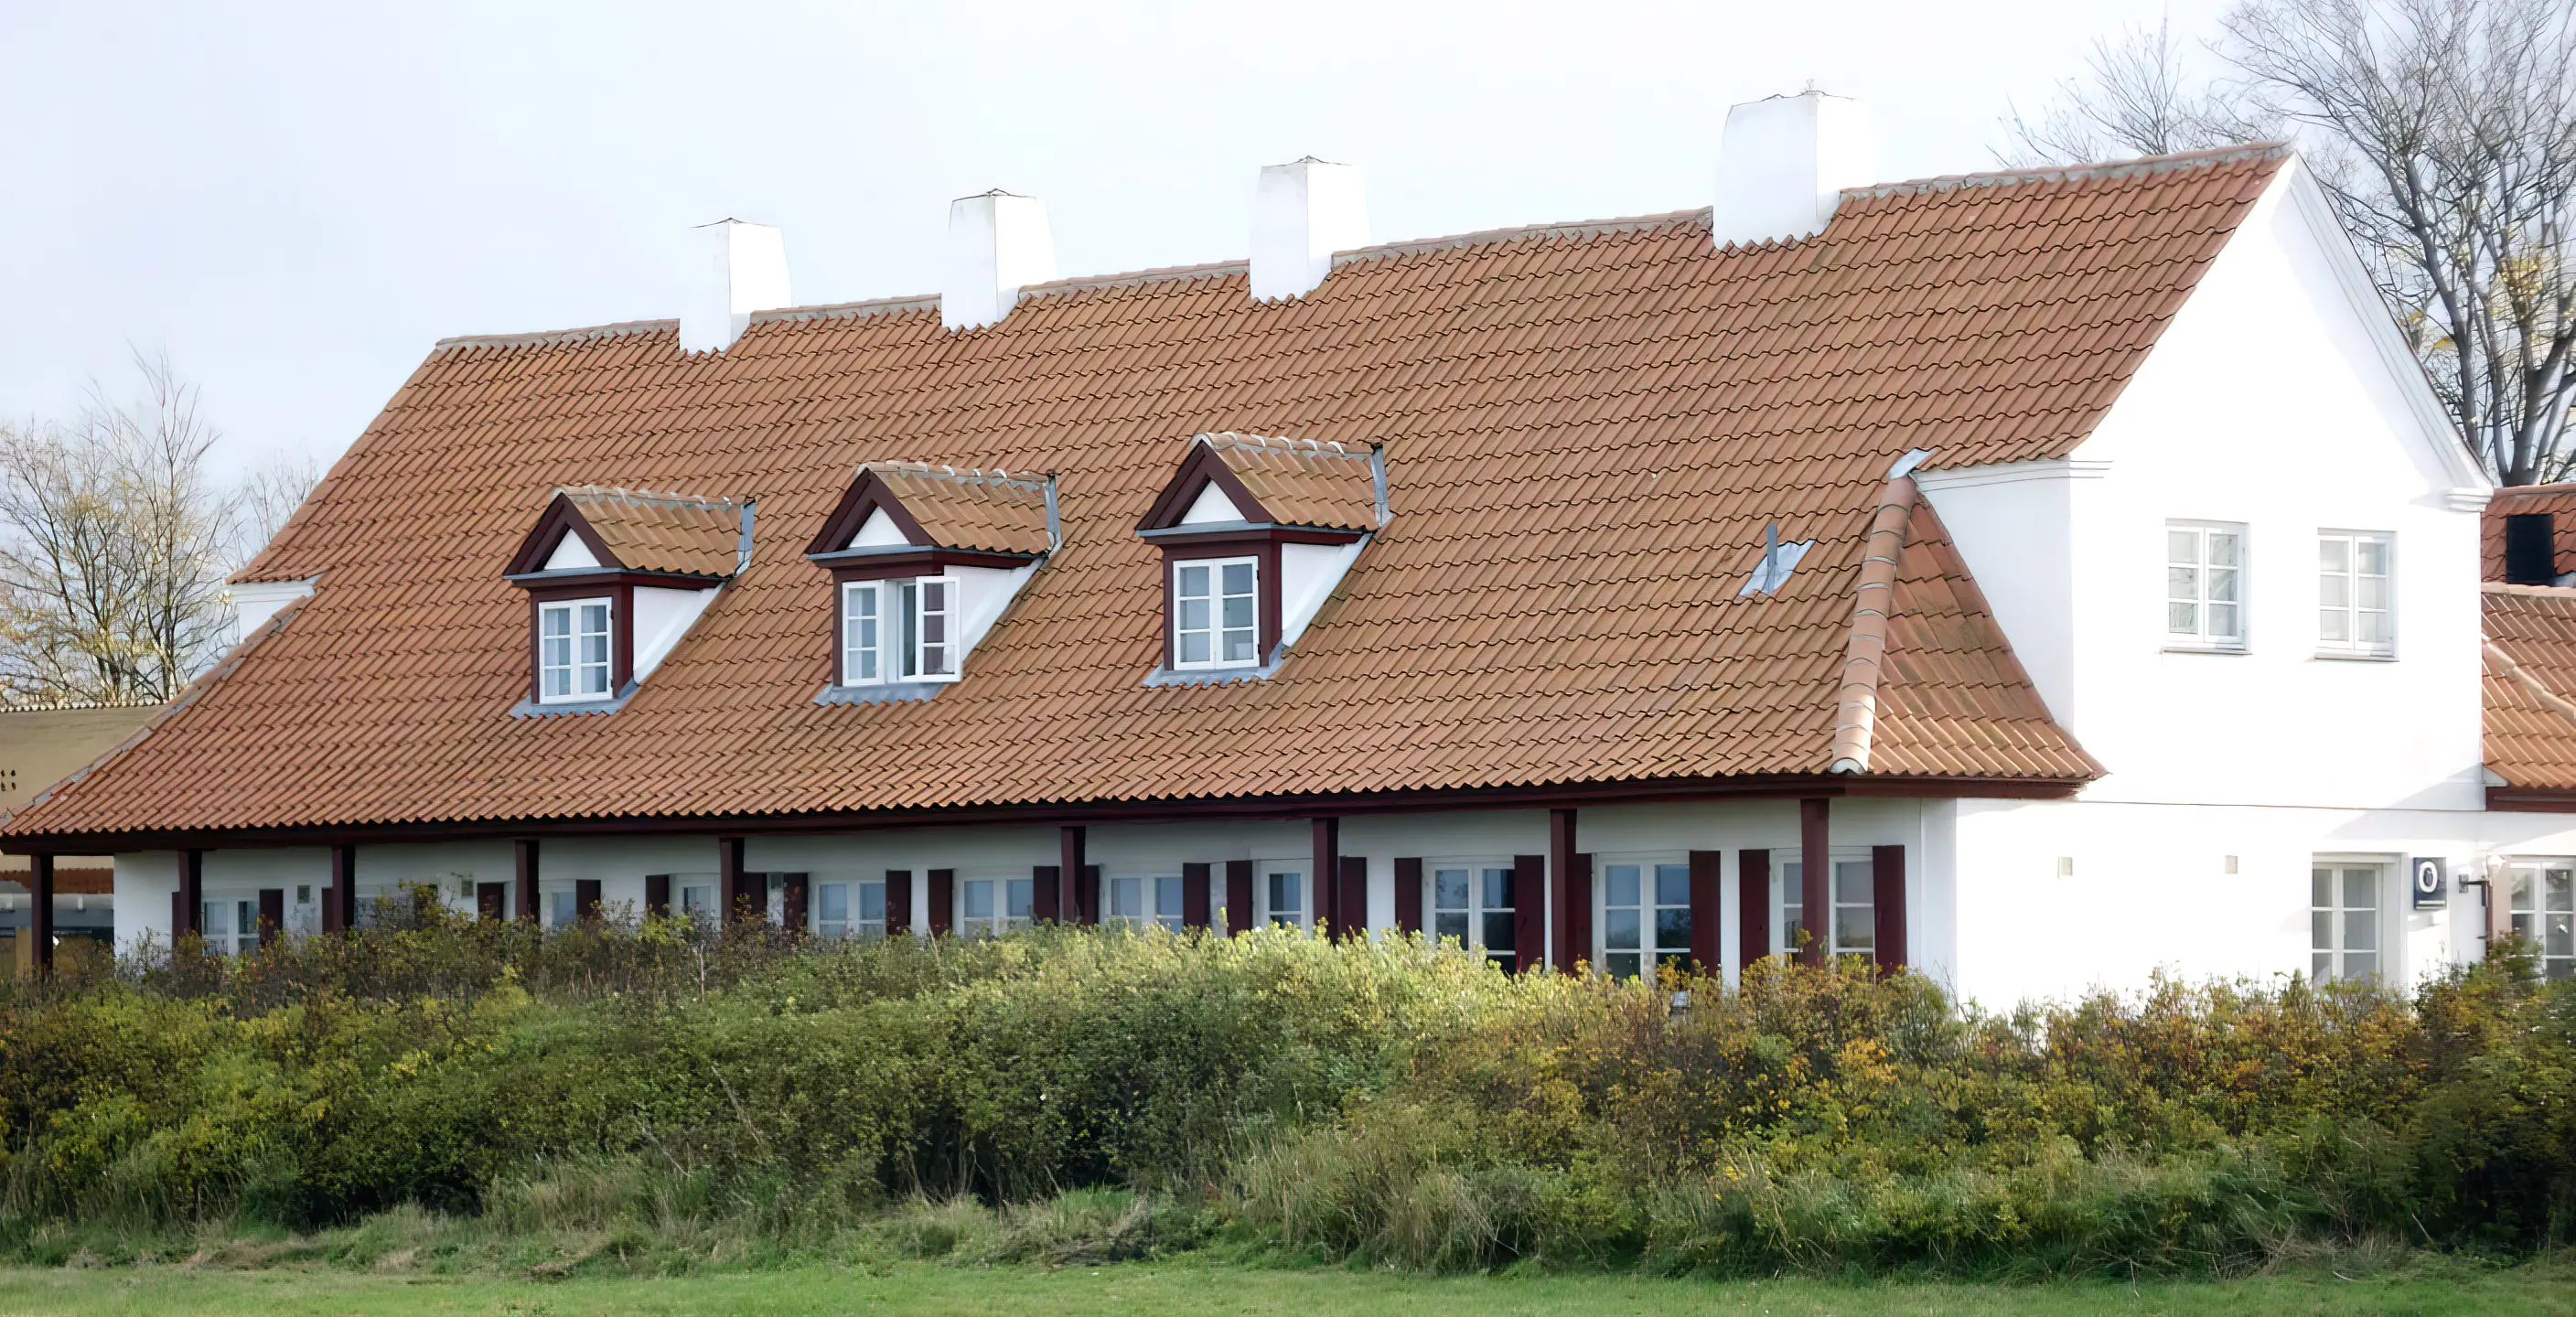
(1380, 1101)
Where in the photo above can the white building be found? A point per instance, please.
(2071, 564)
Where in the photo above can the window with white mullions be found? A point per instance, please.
(990, 907)
(2344, 920)
(1144, 902)
(1281, 897)
(573, 650)
(899, 630)
(2204, 586)
(2353, 614)
(1216, 613)
(229, 928)
(1855, 913)
(850, 909)
(1645, 917)
(1472, 905)
(2543, 906)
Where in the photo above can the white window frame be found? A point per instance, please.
(574, 666)
(700, 900)
(563, 904)
(2548, 918)
(1216, 629)
(1002, 893)
(1652, 945)
(1788, 890)
(1479, 910)
(1147, 896)
(863, 908)
(902, 650)
(2353, 582)
(1266, 912)
(2327, 954)
(239, 935)
(2200, 638)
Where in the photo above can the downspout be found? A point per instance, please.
(1865, 648)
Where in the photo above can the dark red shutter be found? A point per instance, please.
(526, 874)
(489, 900)
(1887, 903)
(1238, 896)
(657, 895)
(943, 901)
(898, 902)
(178, 916)
(272, 914)
(585, 898)
(1753, 902)
(1529, 911)
(337, 908)
(1324, 872)
(1408, 895)
(1046, 882)
(1086, 895)
(1707, 909)
(1352, 920)
(791, 905)
(1194, 895)
(1578, 916)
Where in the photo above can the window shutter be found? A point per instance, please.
(585, 899)
(1238, 896)
(1086, 895)
(178, 916)
(1753, 901)
(898, 902)
(1046, 882)
(525, 851)
(943, 901)
(1707, 876)
(1194, 895)
(1887, 903)
(1578, 917)
(1529, 911)
(1350, 918)
(272, 915)
(791, 904)
(657, 895)
(1408, 895)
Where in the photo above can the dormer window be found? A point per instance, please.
(924, 559)
(1215, 613)
(615, 578)
(573, 650)
(1255, 534)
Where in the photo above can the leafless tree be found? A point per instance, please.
(112, 545)
(2137, 97)
(268, 495)
(2445, 133)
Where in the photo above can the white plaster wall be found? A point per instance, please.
(661, 618)
(1309, 572)
(983, 592)
(145, 882)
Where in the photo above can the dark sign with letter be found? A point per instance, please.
(2430, 881)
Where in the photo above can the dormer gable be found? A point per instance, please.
(924, 559)
(1256, 532)
(615, 578)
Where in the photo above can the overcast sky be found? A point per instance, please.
(296, 201)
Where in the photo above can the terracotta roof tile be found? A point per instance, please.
(2530, 683)
(1585, 430)
(2557, 500)
(662, 532)
(970, 509)
(1303, 482)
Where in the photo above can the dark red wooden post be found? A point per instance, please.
(1560, 873)
(1578, 917)
(1707, 911)
(729, 884)
(1529, 914)
(1753, 901)
(1350, 918)
(1887, 897)
(1323, 869)
(40, 911)
(192, 892)
(1071, 842)
(1087, 894)
(527, 876)
(1194, 895)
(340, 899)
(1816, 879)
(1238, 896)
(1408, 894)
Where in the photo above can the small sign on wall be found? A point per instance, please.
(2430, 881)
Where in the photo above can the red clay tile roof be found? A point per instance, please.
(1586, 429)
(1302, 482)
(2558, 500)
(990, 510)
(662, 532)
(2531, 685)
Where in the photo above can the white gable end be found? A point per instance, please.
(570, 553)
(878, 530)
(1210, 506)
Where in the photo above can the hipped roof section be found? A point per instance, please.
(639, 531)
(1586, 429)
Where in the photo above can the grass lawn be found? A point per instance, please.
(1193, 1287)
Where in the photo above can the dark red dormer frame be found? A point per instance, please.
(830, 550)
(611, 579)
(1258, 538)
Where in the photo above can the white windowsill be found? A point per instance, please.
(884, 692)
(2355, 656)
(2226, 650)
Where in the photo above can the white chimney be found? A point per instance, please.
(1784, 163)
(998, 243)
(745, 271)
(1301, 215)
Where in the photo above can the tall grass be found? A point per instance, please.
(659, 1092)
